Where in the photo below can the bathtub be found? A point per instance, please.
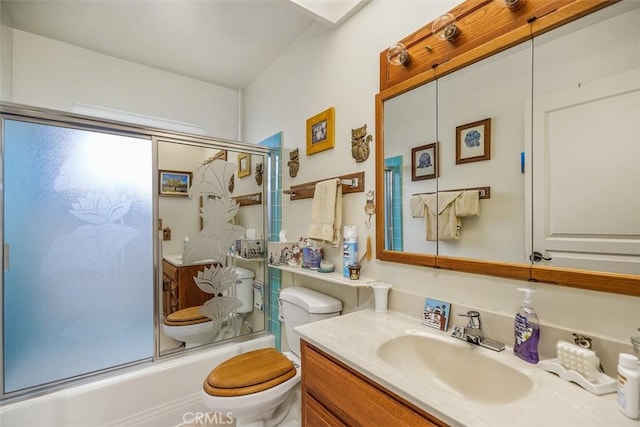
(163, 393)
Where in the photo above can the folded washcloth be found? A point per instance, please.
(468, 203)
(416, 205)
(440, 217)
(326, 212)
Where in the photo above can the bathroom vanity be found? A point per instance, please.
(178, 289)
(365, 368)
(322, 375)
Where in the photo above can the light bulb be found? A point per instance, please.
(445, 28)
(397, 54)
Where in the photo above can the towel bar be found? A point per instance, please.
(351, 183)
(484, 192)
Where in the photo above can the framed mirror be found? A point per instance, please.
(410, 169)
(481, 129)
(585, 124)
(528, 61)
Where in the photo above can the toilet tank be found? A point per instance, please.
(244, 289)
(301, 305)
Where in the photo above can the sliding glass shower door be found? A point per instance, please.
(78, 252)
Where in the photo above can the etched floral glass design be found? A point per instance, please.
(212, 243)
(78, 225)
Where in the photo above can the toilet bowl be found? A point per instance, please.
(259, 388)
(194, 329)
(190, 327)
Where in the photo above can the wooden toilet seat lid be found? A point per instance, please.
(186, 316)
(248, 373)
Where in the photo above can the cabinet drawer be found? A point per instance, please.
(315, 415)
(353, 398)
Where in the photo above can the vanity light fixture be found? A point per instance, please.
(445, 28)
(514, 5)
(397, 54)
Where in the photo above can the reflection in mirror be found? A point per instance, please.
(213, 258)
(481, 116)
(586, 148)
(409, 130)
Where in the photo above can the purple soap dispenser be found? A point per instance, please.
(527, 330)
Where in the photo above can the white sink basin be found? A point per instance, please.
(464, 367)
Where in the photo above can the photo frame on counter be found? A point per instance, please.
(473, 142)
(174, 183)
(320, 132)
(424, 162)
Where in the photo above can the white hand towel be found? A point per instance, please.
(326, 212)
(441, 211)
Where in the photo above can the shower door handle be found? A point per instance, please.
(5, 257)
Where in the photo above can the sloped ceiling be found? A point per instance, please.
(224, 42)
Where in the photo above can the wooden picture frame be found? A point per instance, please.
(473, 142)
(244, 165)
(320, 132)
(174, 183)
(424, 162)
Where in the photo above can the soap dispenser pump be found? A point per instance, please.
(527, 330)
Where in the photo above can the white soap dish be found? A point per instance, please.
(602, 384)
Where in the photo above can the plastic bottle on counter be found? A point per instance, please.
(628, 385)
(349, 248)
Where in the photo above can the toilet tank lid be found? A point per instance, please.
(311, 301)
(244, 273)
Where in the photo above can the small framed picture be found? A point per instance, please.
(174, 183)
(320, 132)
(473, 142)
(424, 162)
(436, 314)
(244, 165)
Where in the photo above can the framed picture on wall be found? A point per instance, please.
(424, 162)
(320, 132)
(244, 165)
(473, 142)
(174, 183)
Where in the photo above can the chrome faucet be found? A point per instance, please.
(473, 333)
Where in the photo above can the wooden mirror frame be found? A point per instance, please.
(487, 27)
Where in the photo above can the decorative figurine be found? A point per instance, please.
(360, 143)
(259, 174)
(294, 165)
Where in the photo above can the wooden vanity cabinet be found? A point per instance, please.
(178, 288)
(335, 395)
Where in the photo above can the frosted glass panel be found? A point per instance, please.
(78, 296)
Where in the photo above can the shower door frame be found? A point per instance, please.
(50, 117)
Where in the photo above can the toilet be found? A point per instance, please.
(259, 387)
(194, 329)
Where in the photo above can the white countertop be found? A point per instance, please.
(354, 339)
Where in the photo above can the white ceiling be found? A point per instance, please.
(225, 42)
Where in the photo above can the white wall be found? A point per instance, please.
(341, 69)
(55, 75)
(6, 53)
